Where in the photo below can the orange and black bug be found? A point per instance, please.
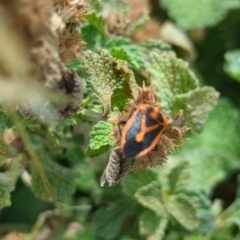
(143, 130)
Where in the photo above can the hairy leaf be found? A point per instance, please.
(179, 177)
(215, 152)
(101, 138)
(205, 211)
(153, 226)
(156, 46)
(8, 180)
(135, 54)
(197, 105)
(107, 221)
(134, 181)
(61, 180)
(232, 63)
(131, 54)
(195, 14)
(182, 208)
(171, 77)
(150, 197)
(108, 79)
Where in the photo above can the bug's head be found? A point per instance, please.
(146, 94)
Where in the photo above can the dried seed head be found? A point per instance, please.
(72, 88)
(26, 110)
(70, 46)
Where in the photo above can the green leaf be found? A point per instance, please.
(97, 22)
(61, 180)
(134, 181)
(215, 152)
(131, 54)
(154, 228)
(75, 154)
(146, 48)
(196, 14)
(5, 121)
(148, 227)
(182, 208)
(117, 42)
(179, 177)
(88, 182)
(150, 197)
(92, 37)
(206, 215)
(171, 76)
(232, 4)
(161, 229)
(135, 55)
(156, 46)
(95, 5)
(197, 105)
(232, 64)
(231, 216)
(65, 124)
(108, 80)
(8, 180)
(101, 138)
(107, 221)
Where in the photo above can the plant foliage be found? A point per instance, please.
(71, 73)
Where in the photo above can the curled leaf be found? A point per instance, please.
(116, 169)
(197, 104)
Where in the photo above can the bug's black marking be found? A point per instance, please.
(152, 121)
(132, 147)
(135, 128)
(150, 136)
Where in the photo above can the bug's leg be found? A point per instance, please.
(122, 122)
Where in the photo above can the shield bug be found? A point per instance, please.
(143, 130)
